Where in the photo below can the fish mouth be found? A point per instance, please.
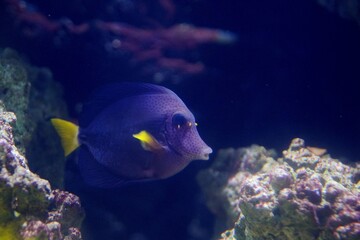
(205, 154)
(205, 157)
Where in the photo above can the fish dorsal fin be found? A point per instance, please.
(111, 93)
(68, 133)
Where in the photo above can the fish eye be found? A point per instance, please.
(179, 121)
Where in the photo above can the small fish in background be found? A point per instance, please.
(132, 132)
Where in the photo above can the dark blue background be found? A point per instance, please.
(294, 72)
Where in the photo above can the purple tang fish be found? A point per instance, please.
(132, 132)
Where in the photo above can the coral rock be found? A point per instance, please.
(299, 196)
(29, 209)
(32, 94)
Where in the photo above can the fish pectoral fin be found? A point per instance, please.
(68, 133)
(148, 142)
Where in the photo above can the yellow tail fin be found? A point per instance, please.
(68, 133)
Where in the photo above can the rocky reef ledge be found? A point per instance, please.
(29, 208)
(305, 194)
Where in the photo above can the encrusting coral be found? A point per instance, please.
(29, 209)
(303, 195)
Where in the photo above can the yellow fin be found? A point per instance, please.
(68, 133)
(148, 142)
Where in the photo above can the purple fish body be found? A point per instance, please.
(110, 154)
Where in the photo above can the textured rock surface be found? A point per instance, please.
(29, 209)
(32, 94)
(299, 196)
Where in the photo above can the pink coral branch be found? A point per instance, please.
(144, 45)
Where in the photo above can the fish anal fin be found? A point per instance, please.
(95, 174)
(147, 141)
(68, 133)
